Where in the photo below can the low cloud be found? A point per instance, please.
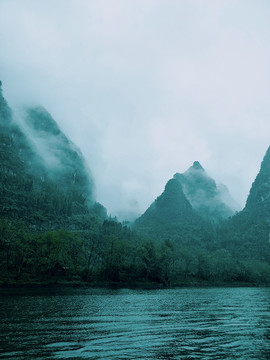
(146, 88)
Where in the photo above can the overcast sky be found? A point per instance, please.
(145, 87)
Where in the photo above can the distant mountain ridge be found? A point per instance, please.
(44, 181)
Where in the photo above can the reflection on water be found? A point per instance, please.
(211, 323)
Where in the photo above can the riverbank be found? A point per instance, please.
(125, 285)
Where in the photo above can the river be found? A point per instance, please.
(185, 323)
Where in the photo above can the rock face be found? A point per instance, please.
(43, 177)
(213, 202)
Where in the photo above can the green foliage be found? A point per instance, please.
(246, 237)
(258, 202)
(109, 252)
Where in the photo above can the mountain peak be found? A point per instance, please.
(210, 200)
(197, 166)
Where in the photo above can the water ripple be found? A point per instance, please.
(214, 323)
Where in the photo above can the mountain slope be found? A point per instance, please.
(62, 160)
(15, 172)
(258, 201)
(247, 233)
(171, 216)
(43, 178)
(171, 206)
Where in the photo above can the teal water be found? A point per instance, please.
(186, 323)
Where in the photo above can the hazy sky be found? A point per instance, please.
(145, 87)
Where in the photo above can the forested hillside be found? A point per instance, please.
(246, 235)
(52, 230)
(43, 178)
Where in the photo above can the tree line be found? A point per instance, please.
(110, 253)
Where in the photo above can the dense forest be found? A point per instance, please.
(111, 253)
(52, 230)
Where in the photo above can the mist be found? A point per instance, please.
(146, 88)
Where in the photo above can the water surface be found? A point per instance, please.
(187, 323)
